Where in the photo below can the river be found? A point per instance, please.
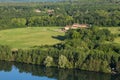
(20, 71)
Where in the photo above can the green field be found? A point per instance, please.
(31, 36)
(116, 31)
(36, 36)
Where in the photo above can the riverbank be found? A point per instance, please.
(16, 71)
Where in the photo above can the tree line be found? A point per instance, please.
(98, 13)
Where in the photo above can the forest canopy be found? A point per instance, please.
(96, 13)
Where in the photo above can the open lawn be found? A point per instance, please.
(31, 36)
(115, 30)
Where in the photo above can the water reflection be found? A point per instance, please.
(53, 73)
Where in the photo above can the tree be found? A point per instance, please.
(105, 67)
(19, 22)
(63, 62)
(48, 61)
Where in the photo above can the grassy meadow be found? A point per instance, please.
(116, 31)
(36, 36)
(31, 36)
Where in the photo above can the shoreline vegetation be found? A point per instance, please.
(55, 73)
(92, 49)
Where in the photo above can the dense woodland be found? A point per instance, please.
(85, 49)
(92, 12)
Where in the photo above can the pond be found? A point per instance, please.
(20, 71)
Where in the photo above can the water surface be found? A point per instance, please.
(20, 71)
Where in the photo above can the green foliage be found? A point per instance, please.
(5, 53)
(90, 35)
(48, 61)
(63, 62)
(18, 22)
(105, 67)
(106, 13)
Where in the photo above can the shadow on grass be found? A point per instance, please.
(59, 37)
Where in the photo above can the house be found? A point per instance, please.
(67, 27)
(83, 26)
(50, 11)
(75, 26)
(37, 10)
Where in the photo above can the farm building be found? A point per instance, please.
(75, 26)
